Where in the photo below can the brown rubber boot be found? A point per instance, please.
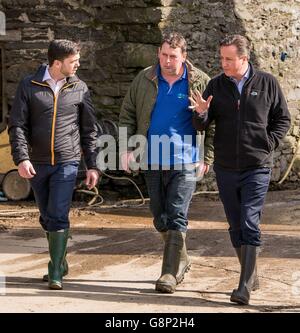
(171, 259)
(185, 262)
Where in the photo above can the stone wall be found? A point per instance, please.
(117, 38)
(120, 37)
(274, 31)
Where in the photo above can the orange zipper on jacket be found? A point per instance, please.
(54, 115)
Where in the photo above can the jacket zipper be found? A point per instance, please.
(239, 121)
(53, 128)
(238, 134)
(54, 116)
(238, 109)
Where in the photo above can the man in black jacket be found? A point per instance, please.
(251, 118)
(51, 120)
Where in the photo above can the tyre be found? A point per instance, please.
(15, 187)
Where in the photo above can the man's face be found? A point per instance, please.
(170, 59)
(70, 65)
(232, 64)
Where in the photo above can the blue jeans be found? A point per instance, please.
(243, 194)
(53, 190)
(170, 193)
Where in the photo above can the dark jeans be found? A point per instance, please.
(53, 190)
(170, 193)
(243, 194)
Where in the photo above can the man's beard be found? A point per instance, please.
(69, 74)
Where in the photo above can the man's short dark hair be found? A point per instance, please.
(60, 49)
(174, 39)
(242, 44)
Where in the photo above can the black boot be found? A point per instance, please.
(172, 252)
(256, 280)
(248, 262)
(184, 263)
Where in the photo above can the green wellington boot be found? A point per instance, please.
(57, 249)
(65, 263)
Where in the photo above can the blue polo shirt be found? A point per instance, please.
(171, 136)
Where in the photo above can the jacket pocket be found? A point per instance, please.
(255, 138)
(70, 98)
(257, 106)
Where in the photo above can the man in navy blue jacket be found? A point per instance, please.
(52, 119)
(251, 118)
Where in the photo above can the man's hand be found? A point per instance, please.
(92, 177)
(26, 169)
(206, 168)
(126, 159)
(202, 170)
(199, 104)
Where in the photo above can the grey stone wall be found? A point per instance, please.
(117, 38)
(120, 37)
(273, 29)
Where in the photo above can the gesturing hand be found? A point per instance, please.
(199, 104)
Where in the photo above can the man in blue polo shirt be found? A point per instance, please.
(171, 137)
(157, 107)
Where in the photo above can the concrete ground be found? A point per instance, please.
(115, 258)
